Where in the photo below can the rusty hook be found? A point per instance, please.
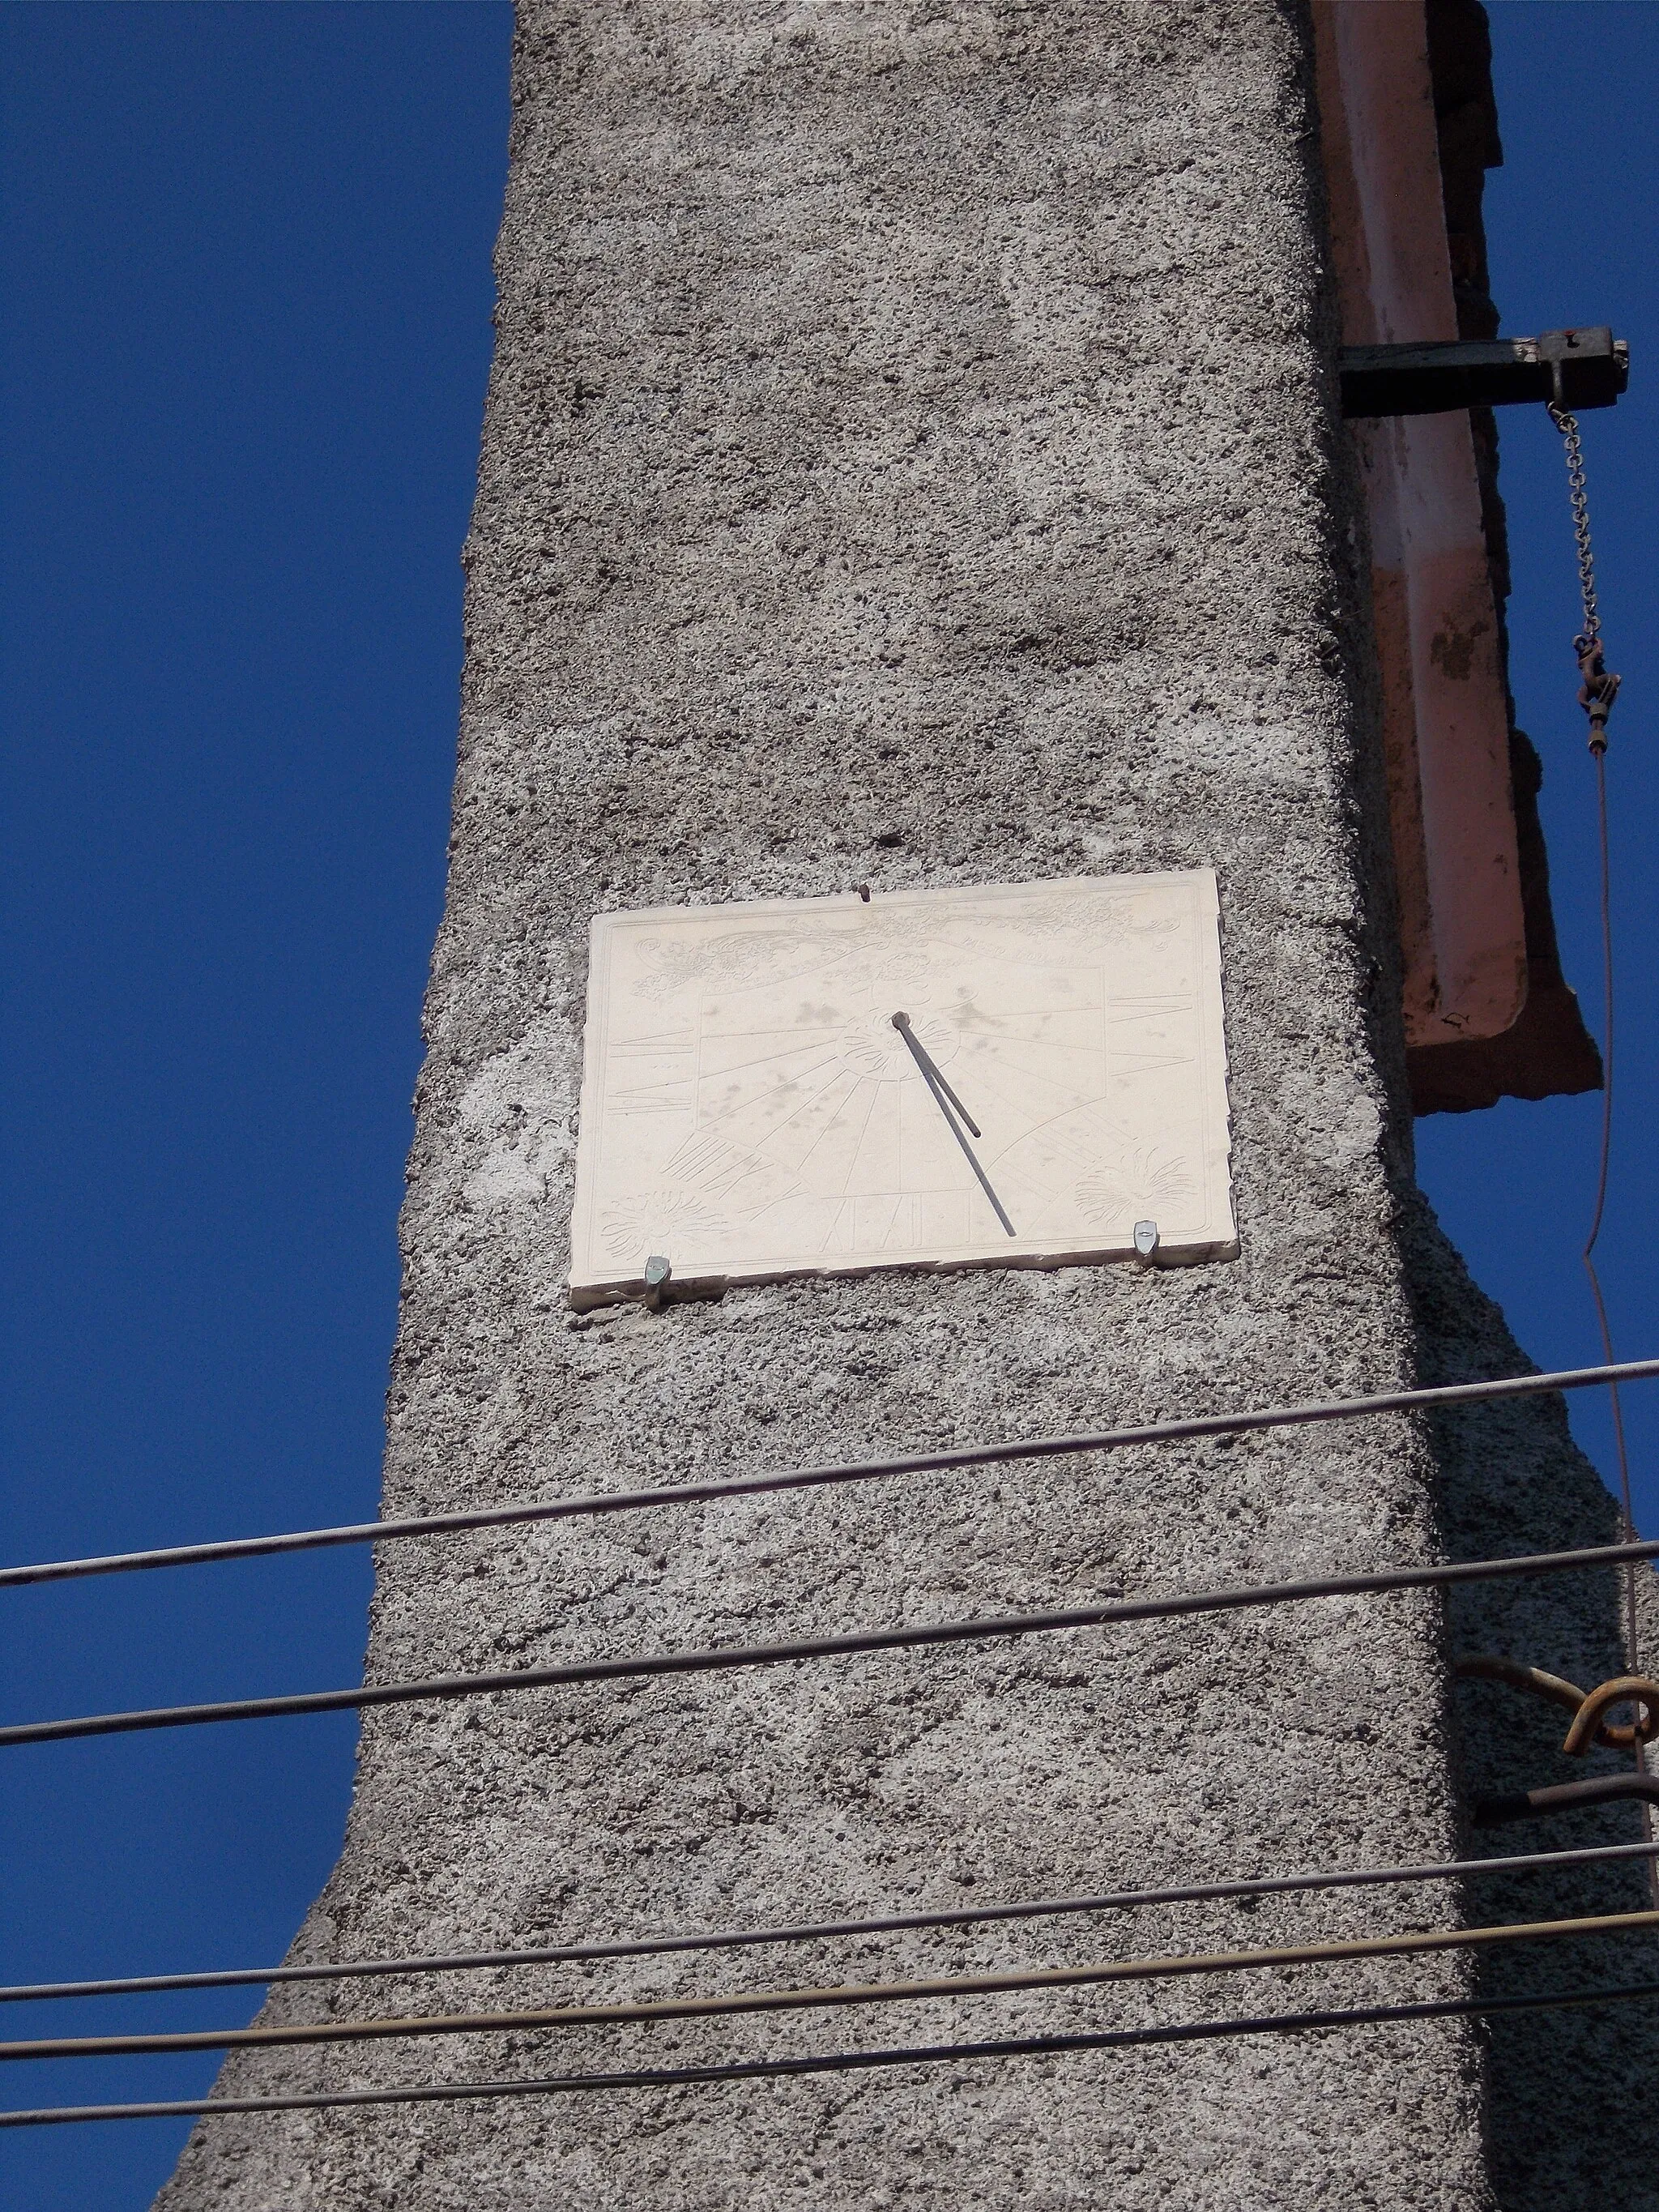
(1586, 1706)
(1589, 1728)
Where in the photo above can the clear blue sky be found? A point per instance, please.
(246, 270)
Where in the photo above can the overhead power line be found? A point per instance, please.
(968, 1916)
(1412, 1944)
(697, 1493)
(839, 2062)
(722, 1657)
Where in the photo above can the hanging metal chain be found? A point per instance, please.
(1599, 687)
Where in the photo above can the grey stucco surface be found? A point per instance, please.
(911, 458)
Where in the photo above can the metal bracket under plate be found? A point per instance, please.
(1575, 369)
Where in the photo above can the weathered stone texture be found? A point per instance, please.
(910, 457)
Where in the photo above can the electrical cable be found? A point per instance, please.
(1632, 1633)
(722, 1657)
(1622, 1453)
(1598, 692)
(1413, 1944)
(968, 1916)
(957, 1456)
(839, 2062)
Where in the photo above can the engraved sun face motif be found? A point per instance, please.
(751, 1110)
(1142, 1183)
(660, 1219)
(873, 1046)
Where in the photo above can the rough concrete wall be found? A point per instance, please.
(1568, 2122)
(910, 457)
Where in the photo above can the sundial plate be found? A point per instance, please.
(750, 1112)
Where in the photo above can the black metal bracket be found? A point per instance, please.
(1577, 369)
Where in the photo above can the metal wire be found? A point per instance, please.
(1598, 754)
(1596, 695)
(839, 2062)
(971, 1916)
(698, 1493)
(723, 1657)
(1632, 1652)
(1596, 698)
(1413, 1944)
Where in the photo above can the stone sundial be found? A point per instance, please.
(755, 1105)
